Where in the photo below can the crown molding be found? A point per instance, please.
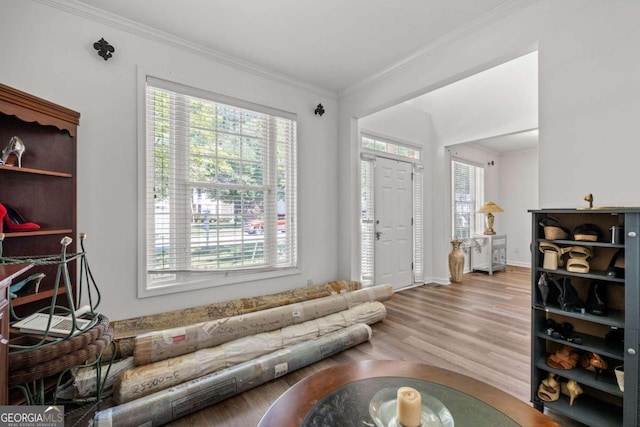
(495, 15)
(124, 24)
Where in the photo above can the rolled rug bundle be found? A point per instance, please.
(160, 345)
(167, 405)
(144, 380)
(129, 328)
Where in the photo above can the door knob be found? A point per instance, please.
(378, 234)
(631, 234)
(631, 350)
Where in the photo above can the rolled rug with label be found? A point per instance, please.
(143, 380)
(167, 405)
(129, 328)
(160, 345)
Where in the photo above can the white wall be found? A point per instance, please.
(403, 122)
(49, 53)
(589, 102)
(518, 183)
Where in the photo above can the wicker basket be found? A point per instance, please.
(58, 348)
(63, 363)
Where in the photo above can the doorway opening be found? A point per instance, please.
(391, 214)
(489, 118)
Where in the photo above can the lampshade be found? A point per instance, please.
(490, 207)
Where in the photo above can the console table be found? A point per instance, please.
(352, 385)
(488, 252)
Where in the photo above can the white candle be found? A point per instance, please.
(409, 407)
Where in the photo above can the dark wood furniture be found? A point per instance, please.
(602, 403)
(7, 273)
(43, 190)
(291, 408)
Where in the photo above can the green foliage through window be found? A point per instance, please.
(221, 186)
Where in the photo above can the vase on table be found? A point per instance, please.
(456, 261)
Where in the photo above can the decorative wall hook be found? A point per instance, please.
(105, 50)
(319, 110)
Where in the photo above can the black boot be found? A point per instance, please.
(597, 299)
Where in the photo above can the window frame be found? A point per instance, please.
(476, 220)
(192, 280)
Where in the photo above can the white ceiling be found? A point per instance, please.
(329, 44)
(518, 141)
(496, 109)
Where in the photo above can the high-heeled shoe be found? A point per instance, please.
(593, 362)
(18, 286)
(13, 151)
(3, 213)
(543, 288)
(597, 298)
(571, 389)
(616, 265)
(549, 389)
(14, 221)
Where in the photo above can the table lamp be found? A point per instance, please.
(489, 208)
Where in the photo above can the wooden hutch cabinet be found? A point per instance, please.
(43, 191)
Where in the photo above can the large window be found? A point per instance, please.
(467, 197)
(220, 189)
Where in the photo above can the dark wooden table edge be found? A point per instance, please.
(293, 405)
(9, 272)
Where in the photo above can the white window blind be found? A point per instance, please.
(467, 188)
(418, 224)
(220, 186)
(367, 227)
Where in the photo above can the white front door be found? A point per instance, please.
(393, 201)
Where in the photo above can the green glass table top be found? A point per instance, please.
(348, 405)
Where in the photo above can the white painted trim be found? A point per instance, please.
(481, 22)
(219, 281)
(118, 22)
(391, 139)
(519, 264)
(141, 79)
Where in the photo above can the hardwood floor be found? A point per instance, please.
(479, 327)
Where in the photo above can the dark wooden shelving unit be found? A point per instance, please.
(43, 191)
(602, 403)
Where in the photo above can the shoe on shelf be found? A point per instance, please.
(23, 284)
(597, 298)
(13, 221)
(616, 266)
(562, 331)
(578, 255)
(587, 233)
(12, 153)
(564, 358)
(549, 389)
(571, 389)
(552, 255)
(593, 362)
